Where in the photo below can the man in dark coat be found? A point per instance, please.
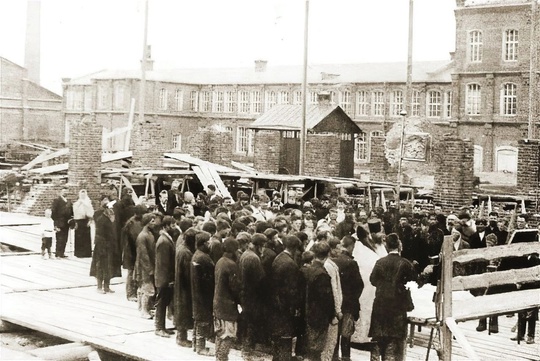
(145, 265)
(183, 316)
(389, 315)
(226, 299)
(202, 292)
(320, 308)
(252, 294)
(130, 232)
(102, 257)
(62, 211)
(164, 276)
(352, 287)
(286, 279)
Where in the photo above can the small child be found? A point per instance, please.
(47, 232)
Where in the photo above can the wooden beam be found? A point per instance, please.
(492, 253)
(460, 337)
(510, 277)
(446, 342)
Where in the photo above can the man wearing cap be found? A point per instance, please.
(61, 212)
(478, 238)
(466, 225)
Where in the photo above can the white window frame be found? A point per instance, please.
(271, 99)
(345, 101)
(434, 104)
(163, 97)
(177, 141)
(179, 100)
(447, 104)
(473, 99)
(396, 104)
(297, 97)
(243, 101)
(206, 101)
(416, 103)
(88, 101)
(255, 102)
(377, 103)
(230, 102)
(362, 103)
(244, 140)
(102, 96)
(283, 97)
(194, 100)
(475, 46)
(361, 147)
(509, 99)
(510, 45)
(313, 98)
(120, 91)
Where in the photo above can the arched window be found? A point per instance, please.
(509, 99)
(163, 94)
(507, 158)
(361, 147)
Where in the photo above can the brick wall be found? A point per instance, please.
(212, 145)
(379, 167)
(323, 155)
(528, 166)
(148, 145)
(267, 151)
(453, 173)
(84, 170)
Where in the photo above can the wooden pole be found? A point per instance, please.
(303, 131)
(446, 277)
(142, 87)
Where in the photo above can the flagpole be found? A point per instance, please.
(142, 85)
(303, 132)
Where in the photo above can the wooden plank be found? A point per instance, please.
(515, 276)
(497, 304)
(497, 252)
(461, 339)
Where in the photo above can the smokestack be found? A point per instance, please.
(32, 51)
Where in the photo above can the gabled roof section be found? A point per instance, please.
(395, 72)
(319, 118)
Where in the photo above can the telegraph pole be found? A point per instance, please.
(142, 85)
(303, 132)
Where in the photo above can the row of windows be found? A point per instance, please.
(509, 46)
(508, 99)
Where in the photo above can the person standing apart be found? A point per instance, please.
(61, 213)
(389, 315)
(164, 275)
(83, 213)
(47, 233)
(102, 258)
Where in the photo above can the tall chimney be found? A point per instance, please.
(32, 51)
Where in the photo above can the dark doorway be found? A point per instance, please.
(346, 167)
(290, 153)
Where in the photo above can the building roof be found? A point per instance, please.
(318, 118)
(396, 72)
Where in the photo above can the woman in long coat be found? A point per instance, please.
(83, 212)
(105, 241)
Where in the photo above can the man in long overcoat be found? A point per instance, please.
(286, 279)
(145, 265)
(164, 275)
(389, 315)
(61, 213)
(130, 232)
(183, 316)
(202, 292)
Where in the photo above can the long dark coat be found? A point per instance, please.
(351, 284)
(183, 311)
(286, 281)
(251, 275)
(165, 253)
(319, 306)
(389, 316)
(146, 257)
(202, 286)
(102, 266)
(130, 232)
(227, 290)
(61, 212)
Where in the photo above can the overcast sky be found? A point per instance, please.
(79, 37)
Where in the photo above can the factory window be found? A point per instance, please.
(345, 102)
(177, 141)
(510, 48)
(243, 101)
(206, 101)
(509, 99)
(362, 103)
(218, 103)
(256, 105)
(434, 104)
(448, 104)
(378, 103)
(120, 92)
(244, 140)
(297, 97)
(415, 103)
(313, 98)
(230, 101)
(179, 100)
(396, 104)
(193, 100)
(271, 100)
(163, 95)
(473, 99)
(361, 147)
(102, 96)
(283, 97)
(475, 46)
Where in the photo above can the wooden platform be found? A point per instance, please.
(58, 297)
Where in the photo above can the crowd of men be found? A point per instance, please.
(277, 277)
